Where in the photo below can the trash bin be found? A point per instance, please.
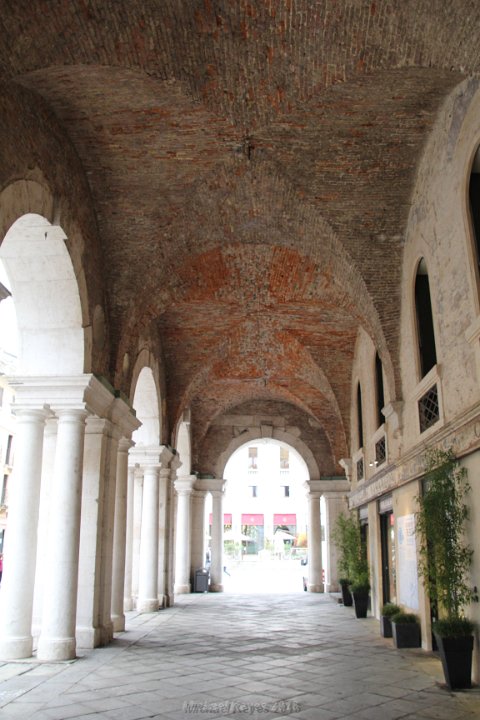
(201, 579)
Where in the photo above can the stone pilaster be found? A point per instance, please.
(127, 592)
(183, 488)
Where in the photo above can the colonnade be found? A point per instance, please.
(94, 529)
(190, 538)
(70, 561)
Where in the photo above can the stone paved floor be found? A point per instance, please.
(261, 656)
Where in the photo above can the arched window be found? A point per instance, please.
(425, 332)
(359, 417)
(379, 388)
(474, 197)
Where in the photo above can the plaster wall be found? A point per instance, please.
(439, 230)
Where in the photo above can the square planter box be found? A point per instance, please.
(385, 626)
(406, 635)
(456, 656)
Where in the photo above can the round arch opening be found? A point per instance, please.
(265, 518)
(145, 402)
(45, 294)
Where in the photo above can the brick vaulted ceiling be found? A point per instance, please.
(250, 165)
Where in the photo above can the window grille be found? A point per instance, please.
(380, 451)
(360, 469)
(429, 409)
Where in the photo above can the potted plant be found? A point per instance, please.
(360, 589)
(353, 561)
(345, 590)
(386, 614)
(405, 630)
(345, 537)
(445, 561)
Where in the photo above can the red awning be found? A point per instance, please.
(285, 519)
(252, 519)
(227, 518)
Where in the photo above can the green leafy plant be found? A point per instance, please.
(456, 627)
(445, 558)
(390, 609)
(352, 562)
(402, 618)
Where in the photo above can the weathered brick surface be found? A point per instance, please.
(242, 175)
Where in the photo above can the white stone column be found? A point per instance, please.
(137, 529)
(183, 487)
(127, 593)
(198, 545)
(335, 504)
(148, 566)
(57, 638)
(120, 536)
(16, 596)
(48, 463)
(216, 568)
(315, 583)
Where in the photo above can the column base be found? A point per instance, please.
(50, 649)
(147, 605)
(128, 604)
(214, 587)
(332, 588)
(182, 589)
(90, 637)
(316, 588)
(118, 623)
(16, 648)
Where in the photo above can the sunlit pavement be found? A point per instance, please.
(251, 575)
(235, 655)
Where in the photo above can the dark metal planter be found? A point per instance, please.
(346, 595)
(360, 603)
(385, 626)
(406, 635)
(456, 657)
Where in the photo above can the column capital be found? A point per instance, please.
(184, 484)
(336, 495)
(37, 413)
(313, 488)
(124, 444)
(144, 455)
(63, 392)
(213, 485)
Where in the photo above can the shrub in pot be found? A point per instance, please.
(386, 613)
(405, 630)
(345, 538)
(445, 561)
(345, 590)
(360, 589)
